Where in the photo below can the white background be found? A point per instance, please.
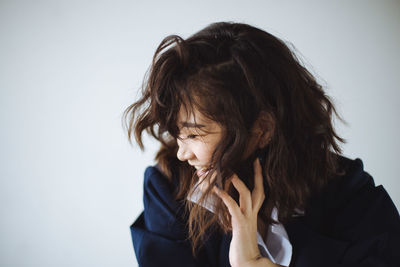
(70, 183)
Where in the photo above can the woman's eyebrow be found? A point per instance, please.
(192, 125)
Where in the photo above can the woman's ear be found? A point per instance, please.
(264, 128)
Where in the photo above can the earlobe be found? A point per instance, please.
(264, 141)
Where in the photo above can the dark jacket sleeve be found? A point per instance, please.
(351, 223)
(159, 234)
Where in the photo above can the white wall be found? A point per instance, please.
(70, 183)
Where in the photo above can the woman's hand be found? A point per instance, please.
(243, 250)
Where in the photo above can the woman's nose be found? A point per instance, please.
(183, 153)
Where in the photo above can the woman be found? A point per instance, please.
(250, 171)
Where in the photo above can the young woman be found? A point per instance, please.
(250, 171)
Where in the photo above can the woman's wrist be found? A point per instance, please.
(262, 262)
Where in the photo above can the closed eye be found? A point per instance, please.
(192, 136)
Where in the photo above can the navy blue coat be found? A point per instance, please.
(351, 223)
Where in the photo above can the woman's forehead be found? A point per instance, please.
(194, 119)
(190, 116)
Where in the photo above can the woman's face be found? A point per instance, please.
(199, 136)
(197, 140)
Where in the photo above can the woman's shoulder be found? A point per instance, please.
(158, 184)
(154, 172)
(352, 179)
(354, 188)
(161, 208)
(154, 175)
(350, 221)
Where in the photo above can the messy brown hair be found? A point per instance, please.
(231, 73)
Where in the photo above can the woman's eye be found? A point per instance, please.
(191, 136)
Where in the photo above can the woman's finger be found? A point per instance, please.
(229, 202)
(258, 194)
(244, 194)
